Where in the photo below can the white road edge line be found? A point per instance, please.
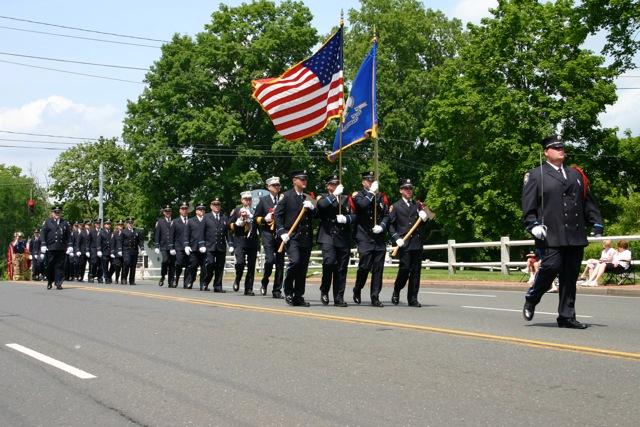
(516, 311)
(458, 293)
(51, 361)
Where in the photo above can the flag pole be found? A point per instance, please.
(343, 109)
(374, 136)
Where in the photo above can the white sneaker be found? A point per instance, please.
(590, 283)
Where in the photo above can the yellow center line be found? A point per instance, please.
(358, 320)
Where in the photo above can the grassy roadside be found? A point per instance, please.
(443, 275)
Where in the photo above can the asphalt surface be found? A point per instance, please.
(174, 357)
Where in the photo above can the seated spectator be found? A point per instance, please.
(621, 261)
(605, 257)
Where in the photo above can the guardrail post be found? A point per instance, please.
(451, 255)
(504, 255)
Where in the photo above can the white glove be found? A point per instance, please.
(31, 257)
(78, 253)
(231, 249)
(87, 254)
(339, 190)
(143, 253)
(156, 250)
(43, 249)
(308, 205)
(268, 217)
(375, 186)
(239, 222)
(400, 243)
(119, 253)
(100, 253)
(285, 237)
(72, 254)
(187, 250)
(172, 251)
(377, 229)
(539, 231)
(341, 219)
(423, 215)
(112, 256)
(41, 256)
(70, 251)
(202, 250)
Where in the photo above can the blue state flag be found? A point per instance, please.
(360, 120)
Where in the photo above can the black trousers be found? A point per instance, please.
(182, 263)
(196, 259)
(273, 257)
(168, 265)
(215, 268)
(95, 267)
(371, 260)
(129, 261)
(245, 257)
(55, 267)
(69, 267)
(82, 266)
(335, 262)
(107, 267)
(409, 269)
(563, 262)
(296, 278)
(116, 265)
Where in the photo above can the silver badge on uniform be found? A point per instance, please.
(526, 177)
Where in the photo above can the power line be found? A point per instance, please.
(74, 62)
(39, 142)
(83, 29)
(33, 148)
(78, 37)
(71, 72)
(49, 135)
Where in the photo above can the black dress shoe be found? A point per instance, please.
(249, 292)
(300, 303)
(236, 287)
(289, 299)
(201, 288)
(528, 310)
(206, 288)
(219, 290)
(190, 286)
(132, 284)
(340, 304)
(377, 303)
(90, 281)
(60, 287)
(415, 304)
(263, 290)
(325, 299)
(395, 299)
(571, 323)
(277, 295)
(161, 283)
(48, 285)
(356, 296)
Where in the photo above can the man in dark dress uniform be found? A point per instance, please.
(75, 260)
(105, 251)
(177, 245)
(403, 214)
(245, 242)
(265, 218)
(195, 248)
(557, 206)
(299, 241)
(372, 218)
(55, 243)
(163, 241)
(334, 237)
(95, 260)
(116, 252)
(82, 249)
(132, 245)
(216, 228)
(35, 256)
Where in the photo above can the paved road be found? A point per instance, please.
(175, 357)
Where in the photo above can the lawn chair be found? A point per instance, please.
(627, 277)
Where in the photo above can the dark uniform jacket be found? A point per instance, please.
(245, 236)
(287, 212)
(83, 240)
(56, 236)
(94, 244)
(267, 231)
(163, 234)
(330, 231)
(194, 234)
(34, 246)
(568, 207)
(75, 236)
(215, 232)
(401, 219)
(178, 233)
(104, 239)
(131, 241)
(365, 237)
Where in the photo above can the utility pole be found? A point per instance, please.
(101, 195)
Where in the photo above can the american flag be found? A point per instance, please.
(301, 101)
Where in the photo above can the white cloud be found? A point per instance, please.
(473, 10)
(624, 113)
(55, 115)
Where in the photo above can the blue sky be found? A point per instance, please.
(39, 101)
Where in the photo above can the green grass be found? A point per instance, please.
(443, 274)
